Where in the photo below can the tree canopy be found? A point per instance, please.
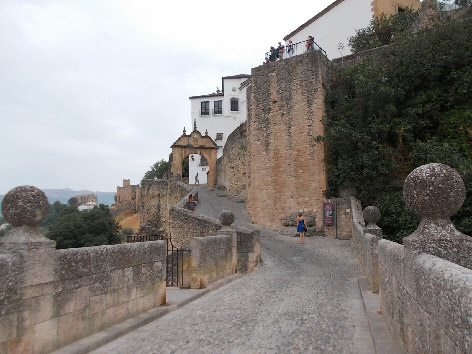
(74, 228)
(158, 170)
(406, 105)
(383, 30)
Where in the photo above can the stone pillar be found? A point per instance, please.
(24, 207)
(371, 216)
(435, 192)
(227, 219)
(26, 304)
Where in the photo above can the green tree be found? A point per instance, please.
(406, 105)
(158, 170)
(86, 228)
(73, 202)
(126, 231)
(383, 30)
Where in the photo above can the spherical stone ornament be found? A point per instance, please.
(226, 217)
(25, 206)
(371, 215)
(434, 190)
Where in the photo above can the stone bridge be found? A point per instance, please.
(364, 295)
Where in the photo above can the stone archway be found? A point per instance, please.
(195, 143)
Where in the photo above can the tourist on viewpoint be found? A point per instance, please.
(310, 44)
(301, 227)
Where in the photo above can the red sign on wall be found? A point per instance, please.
(328, 213)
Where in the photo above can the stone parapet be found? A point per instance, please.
(211, 259)
(50, 298)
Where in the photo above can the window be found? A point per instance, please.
(205, 108)
(234, 105)
(219, 136)
(218, 107)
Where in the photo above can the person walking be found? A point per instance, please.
(301, 227)
(196, 179)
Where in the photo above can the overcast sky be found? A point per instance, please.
(94, 91)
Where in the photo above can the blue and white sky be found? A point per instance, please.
(94, 91)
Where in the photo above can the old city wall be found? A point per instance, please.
(231, 168)
(157, 198)
(286, 168)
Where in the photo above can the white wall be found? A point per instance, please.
(337, 25)
(194, 167)
(224, 123)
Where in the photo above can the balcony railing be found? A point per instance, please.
(296, 49)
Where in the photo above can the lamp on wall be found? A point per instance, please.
(191, 156)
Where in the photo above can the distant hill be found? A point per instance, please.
(63, 195)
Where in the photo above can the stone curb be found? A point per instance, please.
(109, 334)
(383, 341)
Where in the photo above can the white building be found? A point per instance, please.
(217, 115)
(332, 27)
(87, 206)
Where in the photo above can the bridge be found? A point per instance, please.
(364, 295)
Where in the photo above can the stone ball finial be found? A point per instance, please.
(371, 215)
(25, 206)
(434, 190)
(226, 217)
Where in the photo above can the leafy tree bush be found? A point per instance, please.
(408, 104)
(383, 30)
(86, 228)
(158, 170)
(126, 231)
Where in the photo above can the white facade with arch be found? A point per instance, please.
(218, 115)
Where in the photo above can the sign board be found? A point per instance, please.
(328, 213)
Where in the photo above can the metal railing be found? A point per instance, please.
(175, 258)
(294, 49)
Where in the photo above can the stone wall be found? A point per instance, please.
(51, 298)
(425, 284)
(211, 259)
(157, 198)
(426, 302)
(286, 169)
(232, 166)
(184, 224)
(364, 240)
(248, 249)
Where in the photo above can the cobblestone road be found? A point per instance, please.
(303, 299)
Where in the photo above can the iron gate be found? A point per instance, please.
(176, 264)
(177, 259)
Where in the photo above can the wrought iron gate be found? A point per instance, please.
(176, 265)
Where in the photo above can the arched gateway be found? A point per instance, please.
(195, 143)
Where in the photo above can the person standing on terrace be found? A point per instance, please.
(310, 44)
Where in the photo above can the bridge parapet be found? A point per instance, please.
(50, 298)
(424, 284)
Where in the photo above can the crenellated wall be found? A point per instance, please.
(286, 168)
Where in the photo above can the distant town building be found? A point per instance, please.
(86, 198)
(87, 206)
(217, 115)
(332, 27)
